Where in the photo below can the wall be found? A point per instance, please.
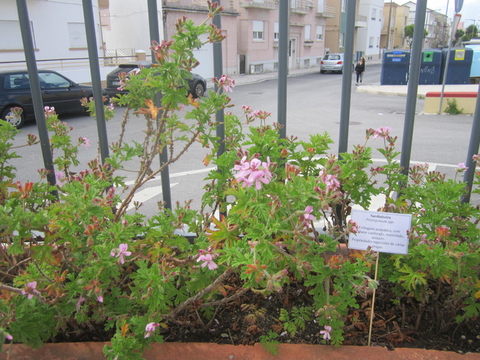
(50, 26)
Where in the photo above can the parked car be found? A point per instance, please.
(196, 85)
(57, 91)
(332, 62)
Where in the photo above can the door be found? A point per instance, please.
(60, 92)
(292, 53)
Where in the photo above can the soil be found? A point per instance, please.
(250, 316)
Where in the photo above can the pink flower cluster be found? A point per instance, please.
(225, 82)
(31, 290)
(254, 172)
(251, 114)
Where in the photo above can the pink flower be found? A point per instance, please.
(330, 181)
(308, 215)
(100, 298)
(31, 290)
(461, 167)
(207, 260)
(226, 83)
(382, 132)
(49, 111)
(254, 172)
(150, 329)
(121, 252)
(79, 302)
(352, 226)
(8, 337)
(326, 332)
(84, 141)
(60, 178)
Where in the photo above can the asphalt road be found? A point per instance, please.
(313, 106)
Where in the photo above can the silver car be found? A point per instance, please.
(332, 62)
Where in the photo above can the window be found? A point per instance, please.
(14, 39)
(293, 4)
(257, 30)
(77, 36)
(319, 32)
(321, 4)
(370, 42)
(306, 63)
(275, 31)
(308, 31)
(374, 14)
(16, 81)
(341, 39)
(51, 81)
(380, 16)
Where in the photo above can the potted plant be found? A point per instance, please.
(83, 267)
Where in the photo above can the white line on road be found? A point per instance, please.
(147, 194)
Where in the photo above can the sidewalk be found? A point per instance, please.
(396, 90)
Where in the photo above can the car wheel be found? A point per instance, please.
(198, 90)
(15, 120)
(341, 71)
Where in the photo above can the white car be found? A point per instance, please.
(332, 62)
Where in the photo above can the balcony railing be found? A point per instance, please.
(301, 6)
(272, 5)
(326, 11)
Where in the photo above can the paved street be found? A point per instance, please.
(313, 106)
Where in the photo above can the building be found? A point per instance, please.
(368, 36)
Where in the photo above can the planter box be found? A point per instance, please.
(204, 351)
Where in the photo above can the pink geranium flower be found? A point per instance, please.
(150, 329)
(254, 172)
(121, 252)
(326, 332)
(207, 261)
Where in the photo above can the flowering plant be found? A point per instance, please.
(274, 221)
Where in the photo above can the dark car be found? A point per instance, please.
(196, 85)
(57, 91)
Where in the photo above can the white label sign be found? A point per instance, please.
(381, 231)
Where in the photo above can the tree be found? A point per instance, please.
(408, 34)
(458, 35)
(470, 33)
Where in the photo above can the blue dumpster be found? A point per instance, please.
(475, 69)
(395, 67)
(431, 67)
(459, 65)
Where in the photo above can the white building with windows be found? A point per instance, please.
(58, 32)
(368, 37)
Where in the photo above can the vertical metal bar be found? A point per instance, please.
(347, 76)
(412, 90)
(284, 38)
(155, 36)
(35, 89)
(96, 79)
(218, 72)
(472, 149)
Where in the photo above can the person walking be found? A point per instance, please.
(360, 69)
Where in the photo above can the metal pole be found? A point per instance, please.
(347, 77)
(218, 72)
(284, 38)
(155, 36)
(412, 89)
(472, 149)
(96, 79)
(35, 89)
(445, 71)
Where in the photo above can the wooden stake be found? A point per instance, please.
(373, 302)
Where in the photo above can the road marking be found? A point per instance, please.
(179, 174)
(147, 194)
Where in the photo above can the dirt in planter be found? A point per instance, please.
(249, 317)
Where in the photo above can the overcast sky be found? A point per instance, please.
(470, 9)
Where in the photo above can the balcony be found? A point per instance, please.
(267, 4)
(326, 11)
(301, 7)
(361, 21)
